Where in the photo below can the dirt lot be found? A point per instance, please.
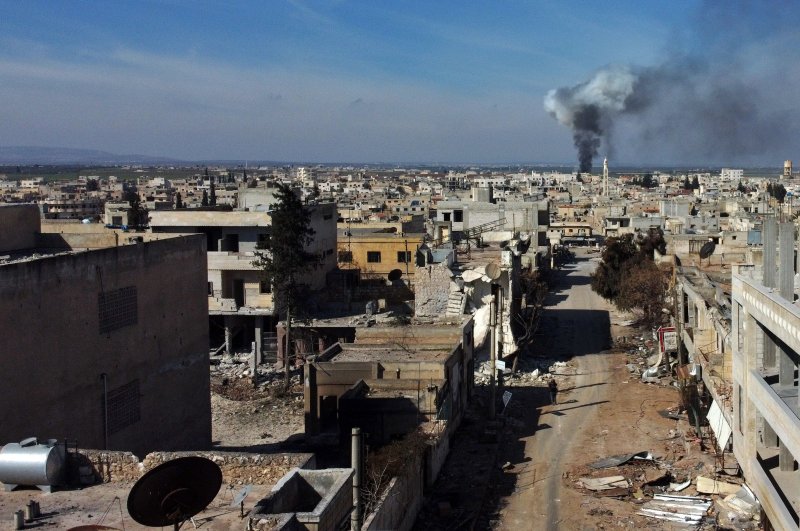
(261, 418)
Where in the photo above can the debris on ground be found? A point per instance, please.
(259, 417)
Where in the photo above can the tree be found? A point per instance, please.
(741, 188)
(92, 185)
(652, 241)
(686, 184)
(628, 277)
(178, 200)
(695, 183)
(204, 201)
(212, 197)
(138, 213)
(778, 191)
(607, 278)
(285, 260)
(643, 290)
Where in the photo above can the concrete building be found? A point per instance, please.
(766, 352)
(309, 500)
(375, 252)
(71, 208)
(731, 174)
(109, 342)
(427, 371)
(506, 218)
(240, 303)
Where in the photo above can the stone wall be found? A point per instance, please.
(432, 289)
(237, 468)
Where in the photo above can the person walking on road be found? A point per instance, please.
(553, 386)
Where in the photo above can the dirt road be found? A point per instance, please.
(580, 328)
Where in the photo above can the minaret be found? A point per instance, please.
(605, 177)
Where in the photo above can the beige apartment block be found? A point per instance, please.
(240, 303)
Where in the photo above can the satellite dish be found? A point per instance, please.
(395, 274)
(493, 271)
(242, 494)
(174, 492)
(707, 249)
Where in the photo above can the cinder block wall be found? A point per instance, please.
(59, 364)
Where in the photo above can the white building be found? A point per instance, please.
(730, 174)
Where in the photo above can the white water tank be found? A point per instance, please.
(33, 464)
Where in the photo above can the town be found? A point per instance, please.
(377, 347)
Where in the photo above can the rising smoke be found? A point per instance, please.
(729, 102)
(590, 107)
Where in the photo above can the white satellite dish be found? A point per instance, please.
(242, 494)
(493, 271)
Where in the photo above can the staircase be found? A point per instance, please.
(456, 303)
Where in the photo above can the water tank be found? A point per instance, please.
(31, 463)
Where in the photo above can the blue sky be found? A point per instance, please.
(316, 81)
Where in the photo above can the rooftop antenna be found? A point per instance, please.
(605, 177)
(173, 492)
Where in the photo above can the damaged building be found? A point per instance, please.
(240, 304)
(766, 353)
(390, 380)
(740, 333)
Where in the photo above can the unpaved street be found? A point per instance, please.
(582, 332)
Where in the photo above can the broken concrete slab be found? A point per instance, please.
(606, 483)
(711, 486)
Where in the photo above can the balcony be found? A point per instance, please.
(231, 261)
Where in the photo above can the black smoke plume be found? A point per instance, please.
(727, 99)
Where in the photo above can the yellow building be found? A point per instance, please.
(377, 253)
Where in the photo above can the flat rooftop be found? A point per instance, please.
(404, 351)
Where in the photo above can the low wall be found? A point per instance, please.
(237, 468)
(401, 502)
(436, 454)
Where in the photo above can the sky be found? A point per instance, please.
(332, 81)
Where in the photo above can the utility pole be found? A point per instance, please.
(357, 464)
(288, 355)
(492, 356)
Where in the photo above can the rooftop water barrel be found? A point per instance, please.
(31, 463)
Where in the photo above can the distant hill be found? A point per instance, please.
(25, 155)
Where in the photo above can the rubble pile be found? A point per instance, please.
(682, 491)
(530, 372)
(248, 414)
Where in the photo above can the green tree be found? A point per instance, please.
(178, 200)
(92, 185)
(741, 188)
(212, 197)
(686, 184)
(607, 278)
(204, 201)
(778, 191)
(138, 213)
(286, 260)
(695, 183)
